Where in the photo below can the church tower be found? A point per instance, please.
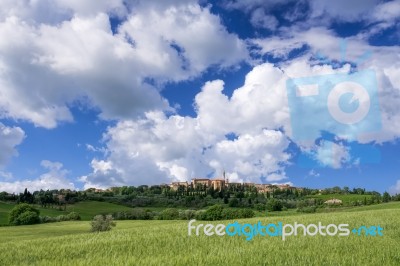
(225, 179)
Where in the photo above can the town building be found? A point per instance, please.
(222, 182)
(176, 185)
(201, 182)
(218, 183)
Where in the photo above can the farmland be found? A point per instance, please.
(346, 198)
(167, 242)
(86, 209)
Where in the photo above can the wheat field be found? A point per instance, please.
(168, 243)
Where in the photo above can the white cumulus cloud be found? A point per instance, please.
(55, 177)
(395, 189)
(10, 137)
(161, 148)
(45, 66)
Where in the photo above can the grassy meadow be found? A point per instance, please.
(86, 209)
(168, 243)
(345, 198)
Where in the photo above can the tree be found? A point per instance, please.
(102, 223)
(226, 199)
(336, 190)
(260, 207)
(386, 197)
(214, 213)
(23, 214)
(28, 217)
(233, 202)
(27, 197)
(73, 216)
(274, 205)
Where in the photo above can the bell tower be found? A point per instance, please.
(225, 179)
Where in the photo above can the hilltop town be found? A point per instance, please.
(219, 183)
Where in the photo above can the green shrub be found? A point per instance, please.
(274, 205)
(214, 213)
(233, 202)
(123, 215)
(141, 214)
(260, 207)
(217, 212)
(246, 213)
(229, 214)
(102, 223)
(169, 214)
(309, 209)
(28, 217)
(62, 218)
(135, 214)
(200, 215)
(24, 214)
(47, 219)
(73, 216)
(187, 214)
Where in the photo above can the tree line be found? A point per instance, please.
(241, 196)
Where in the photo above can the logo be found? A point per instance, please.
(343, 104)
(249, 231)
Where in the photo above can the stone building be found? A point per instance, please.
(218, 183)
(202, 182)
(176, 185)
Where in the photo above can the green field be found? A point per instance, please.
(86, 209)
(346, 198)
(5, 208)
(167, 243)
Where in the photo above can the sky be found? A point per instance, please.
(103, 93)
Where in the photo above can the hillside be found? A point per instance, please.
(86, 209)
(345, 198)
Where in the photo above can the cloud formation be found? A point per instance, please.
(48, 65)
(116, 56)
(395, 189)
(54, 178)
(10, 137)
(162, 148)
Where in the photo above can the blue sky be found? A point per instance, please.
(111, 93)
